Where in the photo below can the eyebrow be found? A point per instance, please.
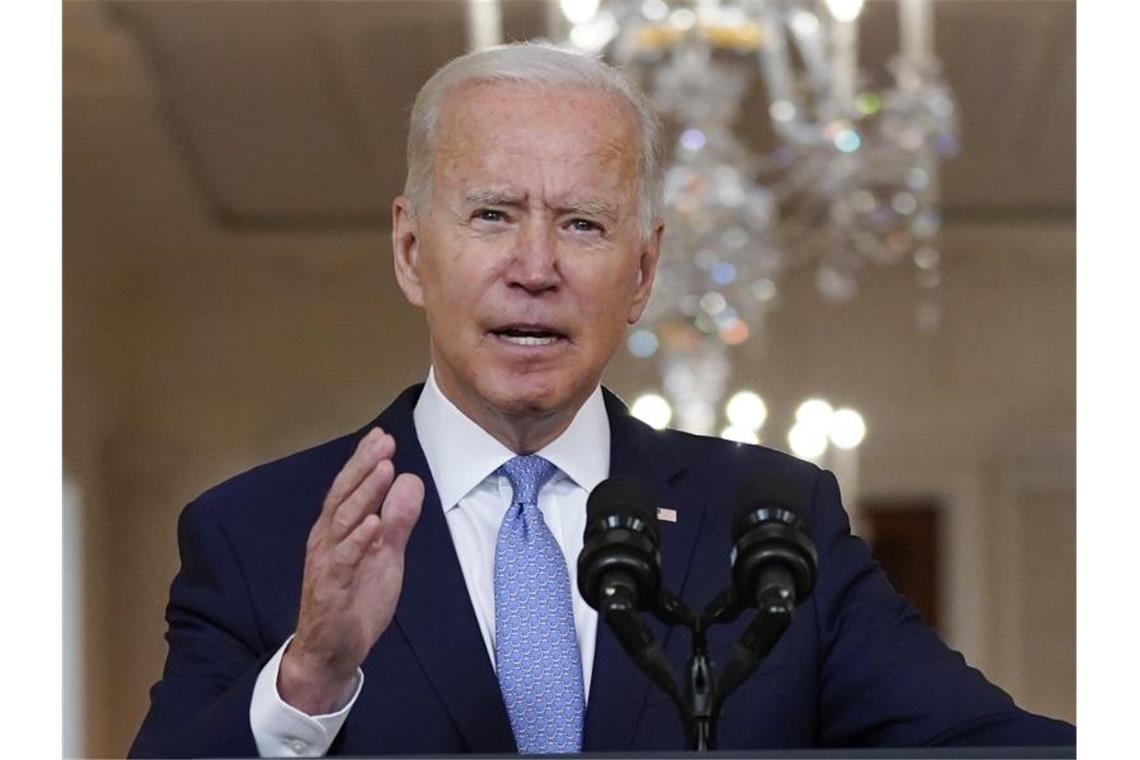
(590, 207)
(481, 197)
(595, 207)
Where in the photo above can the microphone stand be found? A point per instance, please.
(701, 697)
(773, 562)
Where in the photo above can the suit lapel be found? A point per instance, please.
(618, 689)
(452, 654)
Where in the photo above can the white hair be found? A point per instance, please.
(539, 65)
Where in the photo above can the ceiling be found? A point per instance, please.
(291, 115)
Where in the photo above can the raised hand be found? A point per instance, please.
(354, 569)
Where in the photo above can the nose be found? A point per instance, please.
(534, 265)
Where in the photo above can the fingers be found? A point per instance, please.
(361, 502)
(349, 552)
(382, 536)
(373, 448)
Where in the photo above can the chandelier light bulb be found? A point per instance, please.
(740, 434)
(642, 343)
(653, 410)
(815, 413)
(596, 34)
(847, 428)
(655, 10)
(745, 410)
(804, 23)
(579, 11)
(683, 19)
(845, 10)
(807, 442)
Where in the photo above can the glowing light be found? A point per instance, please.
(642, 343)
(837, 286)
(814, 413)
(594, 35)
(868, 103)
(723, 273)
(655, 10)
(807, 442)
(579, 11)
(734, 332)
(683, 19)
(782, 110)
(697, 416)
(847, 141)
(845, 10)
(941, 106)
(739, 434)
(847, 428)
(917, 179)
(653, 410)
(763, 290)
(725, 316)
(747, 410)
(693, 139)
(805, 23)
(904, 203)
(706, 258)
(713, 302)
(927, 258)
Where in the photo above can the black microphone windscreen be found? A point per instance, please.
(772, 490)
(624, 496)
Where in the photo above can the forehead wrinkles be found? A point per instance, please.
(513, 129)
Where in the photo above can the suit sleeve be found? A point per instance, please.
(201, 706)
(886, 678)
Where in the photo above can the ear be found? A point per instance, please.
(406, 251)
(646, 270)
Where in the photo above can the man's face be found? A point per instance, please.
(528, 260)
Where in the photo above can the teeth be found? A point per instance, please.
(529, 340)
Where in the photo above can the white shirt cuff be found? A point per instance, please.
(281, 730)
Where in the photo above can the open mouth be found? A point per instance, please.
(525, 335)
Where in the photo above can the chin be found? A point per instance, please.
(527, 394)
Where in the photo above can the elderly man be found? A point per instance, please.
(412, 587)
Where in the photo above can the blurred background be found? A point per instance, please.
(871, 206)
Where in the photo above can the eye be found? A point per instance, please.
(489, 215)
(584, 225)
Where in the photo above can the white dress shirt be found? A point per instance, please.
(463, 459)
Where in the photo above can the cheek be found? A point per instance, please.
(609, 290)
(449, 288)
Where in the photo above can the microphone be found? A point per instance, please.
(773, 559)
(620, 563)
(774, 567)
(619, 572)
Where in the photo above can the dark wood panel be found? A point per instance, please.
(905, 541)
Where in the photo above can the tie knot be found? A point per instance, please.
(527, 475)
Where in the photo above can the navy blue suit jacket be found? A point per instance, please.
(855, 667)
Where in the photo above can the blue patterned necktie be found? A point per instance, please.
(536, 647)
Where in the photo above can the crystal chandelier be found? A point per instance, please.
(847, 177)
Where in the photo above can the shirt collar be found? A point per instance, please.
(460, 454)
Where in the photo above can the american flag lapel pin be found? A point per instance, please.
(664, 514)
